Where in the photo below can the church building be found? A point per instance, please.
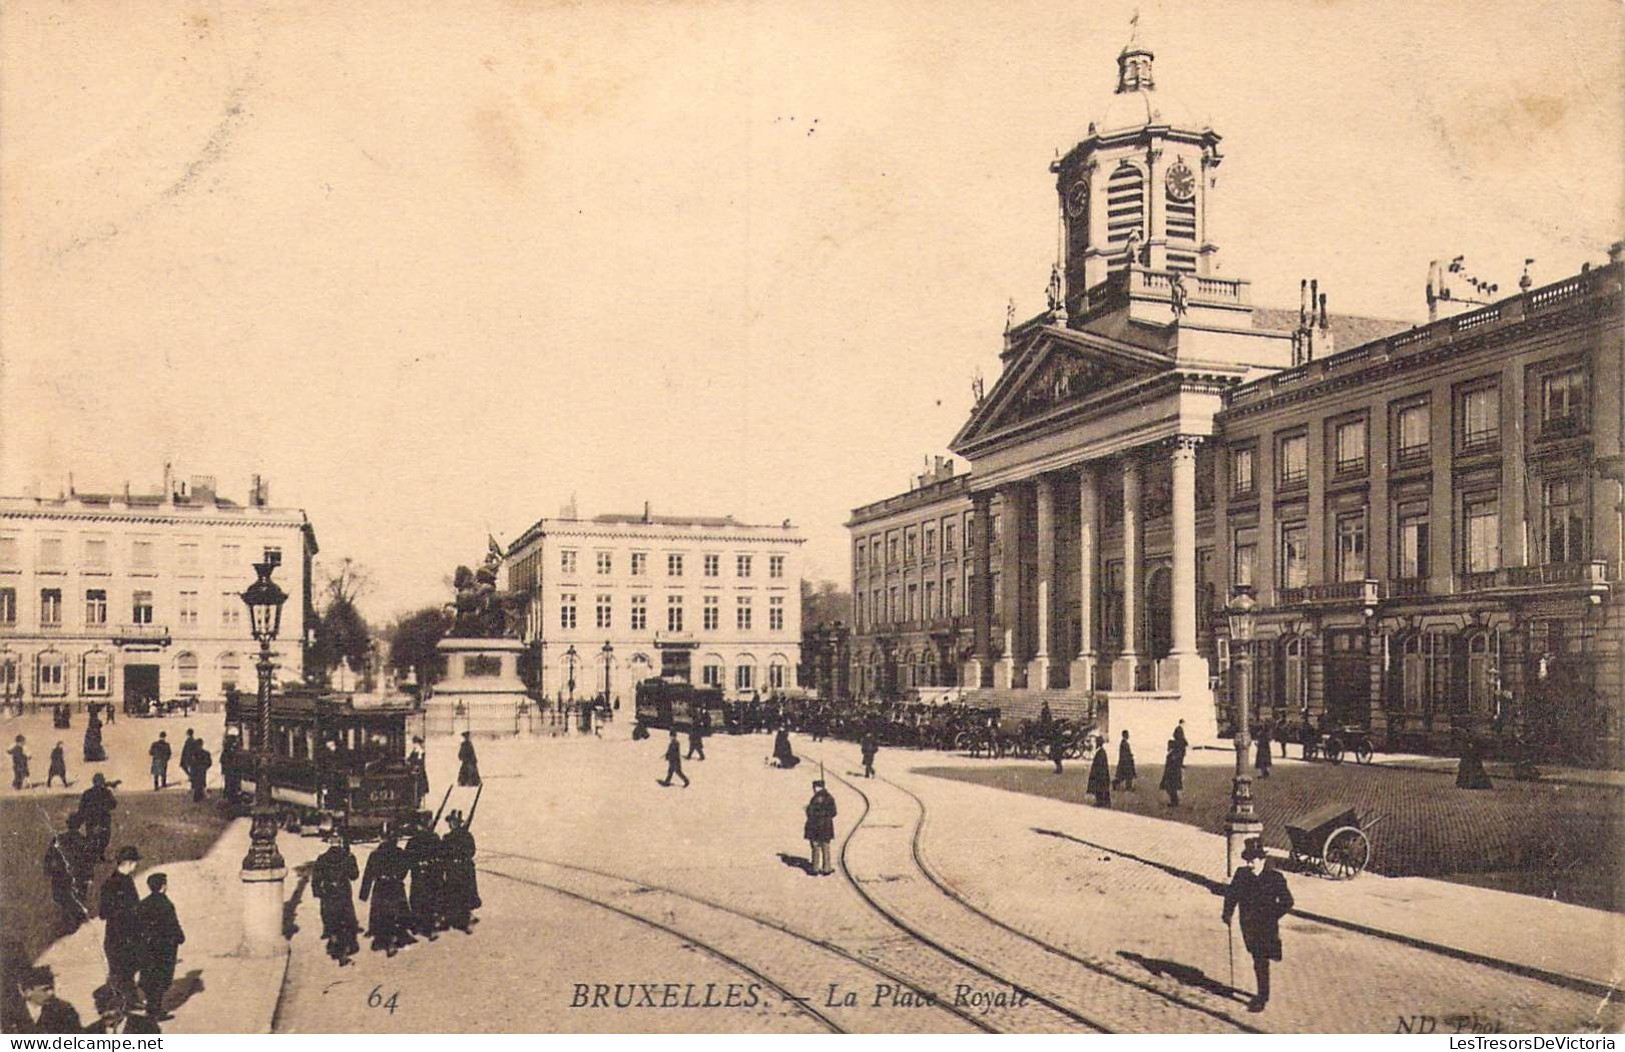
(1106, 531)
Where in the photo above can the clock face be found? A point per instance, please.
(1181, 183)
(1077, 198)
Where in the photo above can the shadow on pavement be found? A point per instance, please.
(797, 862)
(185, 988)
(1200, 881)
(1184, 975)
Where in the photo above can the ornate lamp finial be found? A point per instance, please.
(1009, 315)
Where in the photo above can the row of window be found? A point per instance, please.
(898, 547)
(95, 673)
(95, 555)
(188, 606)
(712, 675)
(604, 562)
(711, 612)
(1562, 522)
(913, 602)
(1477, 430)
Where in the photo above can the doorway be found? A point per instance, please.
(140, 687)
(1347, 678)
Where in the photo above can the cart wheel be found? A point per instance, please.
(1346, 853)
(1074, 752)
(1334, 750)
(1362, 752)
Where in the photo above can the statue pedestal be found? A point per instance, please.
(482, 692)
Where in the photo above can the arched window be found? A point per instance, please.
(778, 672)
(231, 667)
(1413, 673)
(49, 678)
(1125, 208)
(1294, 669)
(9, 683)
(186, 672)
(1482, 653)
(711, 671)
(95, 672)
(745, 673)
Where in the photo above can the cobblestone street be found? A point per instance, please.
(1038, 915)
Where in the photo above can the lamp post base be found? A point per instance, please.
(1241, 824)
(262, 912)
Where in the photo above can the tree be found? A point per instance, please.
(412, 642)
(824, 603)
(342, 638)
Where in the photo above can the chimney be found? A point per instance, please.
(168, 491)
(259, 492)
(203, 488)
(646, 511)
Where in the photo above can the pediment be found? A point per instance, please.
(1056, 370)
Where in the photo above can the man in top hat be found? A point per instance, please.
(160, 753)
(113, 1008)
(461, 890)
(161, 938)
(330, 878)
(1263, 898)
(121, 939)
(189, 751)
(820, 828)
(199, 771)
(41, 1010)
(96, 804)
(19, 762)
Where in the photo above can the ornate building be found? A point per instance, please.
(132, 597)
(1101, 537)
(616, 599)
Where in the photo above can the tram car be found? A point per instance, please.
(666, 703)
(331, 759)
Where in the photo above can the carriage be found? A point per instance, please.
(1333, 839)
(672, 703)
(331, 759)
(1338, 742)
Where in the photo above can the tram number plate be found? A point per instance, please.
(383, 794)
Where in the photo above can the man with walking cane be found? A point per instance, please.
(1264, 899)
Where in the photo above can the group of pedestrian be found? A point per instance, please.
(416, 891)
(71, 857)
(140, 944)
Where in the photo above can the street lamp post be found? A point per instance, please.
(570, 661)
(1242, 823)
(263, 868)
(609, 656)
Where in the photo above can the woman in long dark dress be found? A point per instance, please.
(94, 751)
(1266, 734)
(1100, 776)
(1125, 765)
(468, 770)
(782, 753)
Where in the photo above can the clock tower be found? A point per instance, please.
(1136, 190)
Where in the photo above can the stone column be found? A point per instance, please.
(1083, 667)
(1038, 667)
(1128, 661)
(981, 600)
(1012, 665)
(1184, 668)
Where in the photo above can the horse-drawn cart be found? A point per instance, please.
(1334, 839)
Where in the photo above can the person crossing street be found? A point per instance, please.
(331, 876)
(160, 753)
(674, 761)
(820, 829)
(1263, 898)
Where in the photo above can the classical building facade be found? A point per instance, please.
(1099, 522)
(129, 597)
(616, 599)
(1431, 526)
(912, 570)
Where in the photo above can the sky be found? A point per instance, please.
(435, 269)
